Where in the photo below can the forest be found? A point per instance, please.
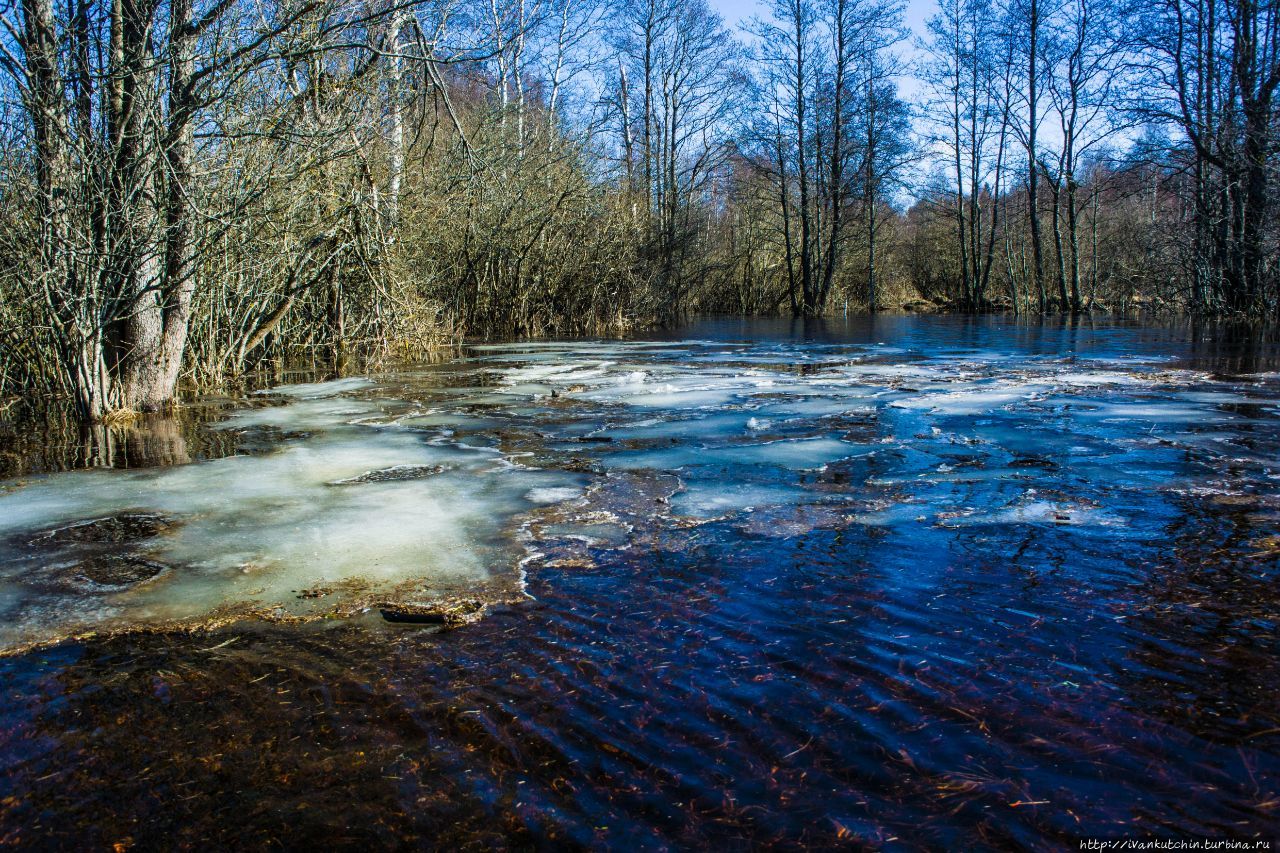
(191, 188)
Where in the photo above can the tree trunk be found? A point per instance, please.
(1033, 175)
(836, 161)
(807, 290)
(1073, 243)
(157, 328)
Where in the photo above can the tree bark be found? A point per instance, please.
(158, 325)
(1033, 166)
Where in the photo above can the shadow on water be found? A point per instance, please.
(38, 437)
(55, 442)
(748, 680)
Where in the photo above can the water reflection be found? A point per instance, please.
(1229, 348)
(55, 441)
(1234, 348)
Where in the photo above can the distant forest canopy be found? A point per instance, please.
(190, 187)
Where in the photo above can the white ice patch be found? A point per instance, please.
(1158, 412)
(973, 402)
(354, 508)
(691, 428)
(819, 406)
(709, 500)
(796, 454)
(890, 516)
(1220, 398)
(314, 390)
(305, 415)
(890, 371)
(1095, 378)
(563, 372)
(552, 494)
(1038, 512)
(672, 397)
(451, 422)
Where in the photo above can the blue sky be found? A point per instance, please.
(735, 11)
(916, 12)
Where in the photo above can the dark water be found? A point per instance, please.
(948, 583)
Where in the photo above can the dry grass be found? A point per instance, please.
(122, 417)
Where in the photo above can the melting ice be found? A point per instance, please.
(424, 481)
(350, 510)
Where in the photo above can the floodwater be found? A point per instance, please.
(889, 583)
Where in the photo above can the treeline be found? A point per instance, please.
(191, 187)
(1098, 150)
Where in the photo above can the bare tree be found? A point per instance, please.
(1082, 70)
(1212, 68)
(970, 67)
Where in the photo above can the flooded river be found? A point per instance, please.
(894, 582)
